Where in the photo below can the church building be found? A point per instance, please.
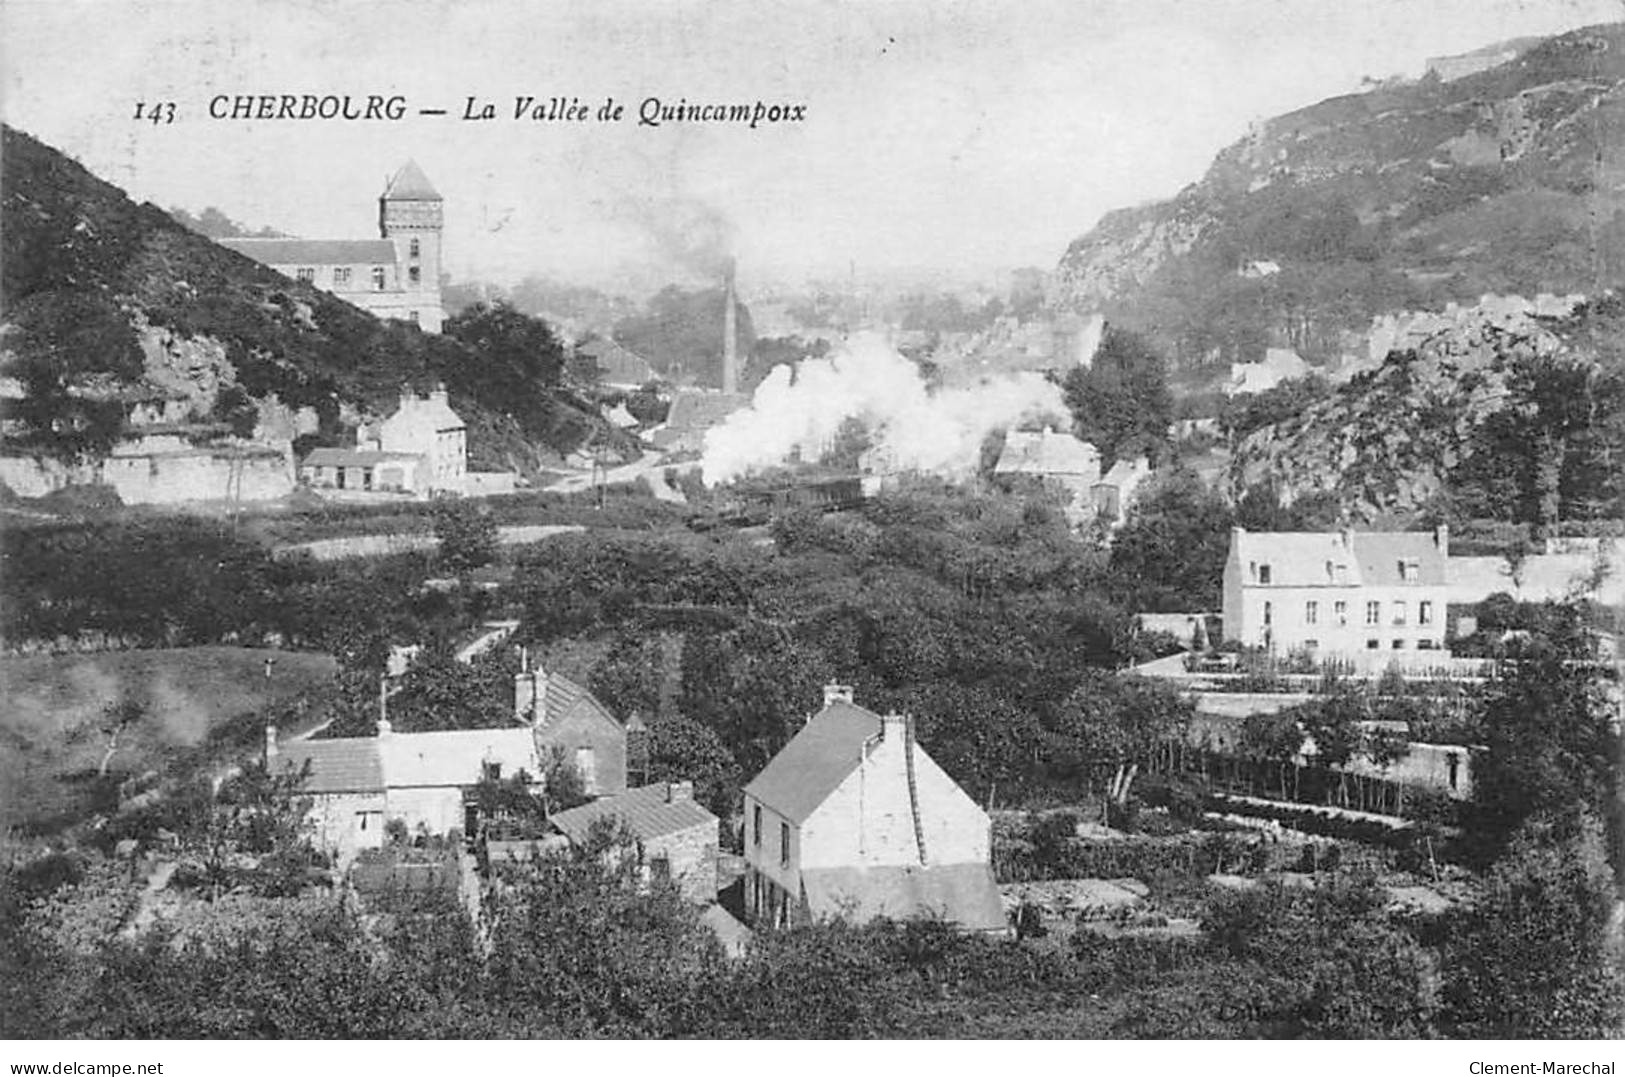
(397, 276)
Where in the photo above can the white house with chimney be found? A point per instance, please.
(357, 784)
(420, 450)
(1349, 594)
(852, 819)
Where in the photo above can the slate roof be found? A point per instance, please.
(697, 409)
(456, 757)
(646, 811)
(341, 765)
(411, 185)
(354, 457)
(816, 761)
(1299, 558)
(315, 252)
(619, 365)
(962, 894)
(1125, 472)
(1047, 452)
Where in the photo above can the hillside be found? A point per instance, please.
(1490, 411)
(109, 302)
(1404, 197)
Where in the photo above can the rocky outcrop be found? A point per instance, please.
(1384, 443)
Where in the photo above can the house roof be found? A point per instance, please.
(817, 759)
(341, 765)
(1047, 452)
(456, 757)
(962, 894)
(314, 252)
(647, 812)
(1299, 558)
(698, 409)
(432, 409)
(620, 366)
(354, 457)
(560, 696)
(411, 185)
(1126, 473)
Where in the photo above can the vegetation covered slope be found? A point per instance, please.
(1490, 414)
(1406, 196)
(106, 299)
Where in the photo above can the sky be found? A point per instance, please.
(971, 137)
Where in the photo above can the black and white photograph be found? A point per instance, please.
(929, 520)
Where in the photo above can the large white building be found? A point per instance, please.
(1350, 594)
(420, 450)
(396, 276)
(853, 819)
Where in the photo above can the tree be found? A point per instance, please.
(1532, 959)
(1170, 553)
(439, 692)
(681, 749)
(1111, 726)
(467, 535)
(1552, 745)
(1121, 401)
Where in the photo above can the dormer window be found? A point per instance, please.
(1341, 574)
(493, 772)
(1410, 571)
(1263, 574)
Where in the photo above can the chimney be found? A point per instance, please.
(893, 725)
(270, 746)
(1441, 539)
(837, 693)
(527, 690)
(730, 331)
(384, 728)
(677, 792)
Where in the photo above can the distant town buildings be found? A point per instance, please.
(1278, 365)
(1337, 593)
(853, 819)
(396, 276)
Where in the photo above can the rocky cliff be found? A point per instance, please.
(1412, 195)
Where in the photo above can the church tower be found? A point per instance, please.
(410, 217)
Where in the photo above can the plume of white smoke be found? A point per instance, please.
(913, 429)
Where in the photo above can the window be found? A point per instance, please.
(1269, 613)
(412, 248)
(341, 277)
(412, 316)
(305, 275)
(1373, 613)
(1399, 645)
(784, 845)
(1410, 571)
(587, 767)
(378, 278)
(1342, 574)
(1311, 613)
(1373, 644)
(1340, 610)
(1426, 645)
(1311, 645)
(1424, 613)
(1263, 574)
(414, 274)
(660, 868)
(1399, 613)
(756, 825)
(493, 772)
(1329, 574)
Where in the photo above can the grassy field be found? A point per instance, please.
(49, 735)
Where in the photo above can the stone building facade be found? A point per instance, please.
(396, 276)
